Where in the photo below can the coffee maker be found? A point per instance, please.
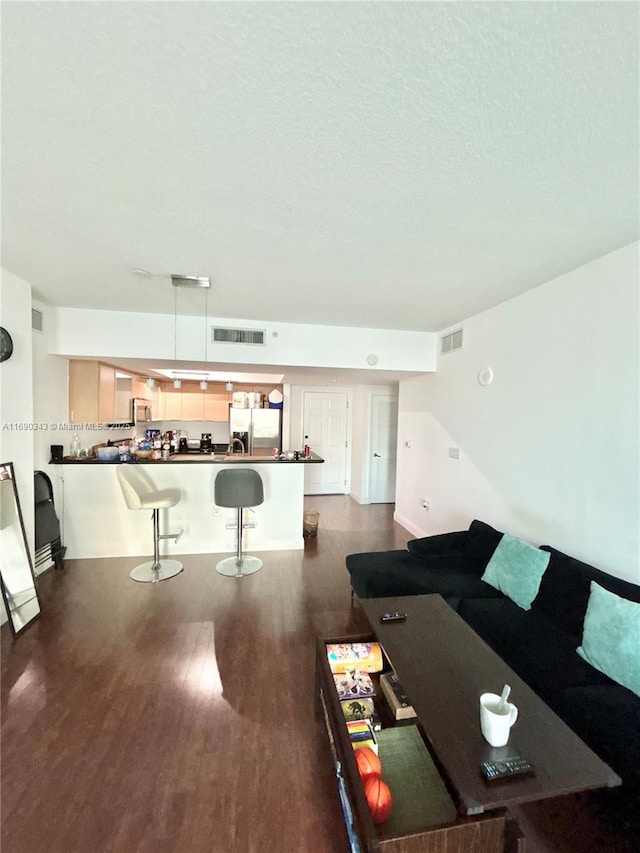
(205, 442)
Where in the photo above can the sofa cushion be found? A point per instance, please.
(516, 569)
(482, 541)
(377, 569)
(565, 588)
(394, 573)
(606, 718)
(611, 637)
(531, 645)
(442, 543)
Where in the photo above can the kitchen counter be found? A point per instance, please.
(97, 522)
(211, 458)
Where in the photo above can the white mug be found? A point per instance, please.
(495, 725)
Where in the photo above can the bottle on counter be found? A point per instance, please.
(307, 451)
(75, 445)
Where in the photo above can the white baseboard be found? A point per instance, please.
(404, 522)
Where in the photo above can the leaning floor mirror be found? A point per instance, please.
(17, 578)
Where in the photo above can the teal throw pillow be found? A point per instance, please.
(611, 637)
(516, 569)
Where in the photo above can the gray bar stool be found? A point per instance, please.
(140, 492)
(239, 488)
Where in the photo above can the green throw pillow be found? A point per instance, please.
(516, 568)
(611, 637)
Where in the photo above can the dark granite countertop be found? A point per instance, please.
(194, 458)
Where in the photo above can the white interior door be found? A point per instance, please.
(384, 437)
(324, 428)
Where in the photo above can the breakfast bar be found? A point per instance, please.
(98, 524)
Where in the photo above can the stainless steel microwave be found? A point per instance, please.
(140, 411)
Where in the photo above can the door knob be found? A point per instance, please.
(378, 455)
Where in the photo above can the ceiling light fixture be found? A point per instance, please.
(177, 384)
(151, 383)
(204, 385)
(229, 386)
(190, 281)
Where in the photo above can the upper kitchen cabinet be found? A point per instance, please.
(92, 392)
(192, 402)
(139, 388)
(216, 404)
(170, 403)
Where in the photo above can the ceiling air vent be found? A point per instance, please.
(451, 342)
(221, 335)
(36, 319)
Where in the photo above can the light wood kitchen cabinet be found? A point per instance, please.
(216, 404)
(192, 403)
(92, 392)
(171, 405)
(139, 388)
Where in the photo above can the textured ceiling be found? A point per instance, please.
(392, 165)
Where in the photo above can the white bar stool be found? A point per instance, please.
(140, 492)
(239, 488)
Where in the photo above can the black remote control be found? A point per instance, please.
(393, 617)
(508, 767)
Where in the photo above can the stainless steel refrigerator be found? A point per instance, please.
(260, 430)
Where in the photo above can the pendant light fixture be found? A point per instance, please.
(190, 281)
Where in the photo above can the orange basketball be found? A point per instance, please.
(368, 763)
(378, 798)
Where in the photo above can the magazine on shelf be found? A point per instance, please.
(398, 700)
(354, 685)
(345, 657)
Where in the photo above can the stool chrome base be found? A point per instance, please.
(152, 572)
(233, 567)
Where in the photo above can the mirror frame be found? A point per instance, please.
(5, 594)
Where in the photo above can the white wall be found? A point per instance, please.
(549, 450)
(16, 396)
(16, 393)
(50, 395)
(121, 334)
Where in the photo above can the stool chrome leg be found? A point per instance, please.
(157, 570)
(239, 566)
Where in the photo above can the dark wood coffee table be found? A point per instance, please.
(444, 666)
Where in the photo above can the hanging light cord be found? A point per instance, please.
(175, 323)
(206, 325)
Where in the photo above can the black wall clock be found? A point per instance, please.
(6, 344)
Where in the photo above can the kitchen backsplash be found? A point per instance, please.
(191, 429)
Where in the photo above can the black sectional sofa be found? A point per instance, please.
(538, 644)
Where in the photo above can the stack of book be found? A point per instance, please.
(352, 665)
(361, 734)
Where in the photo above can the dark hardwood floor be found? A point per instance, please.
(179, 717)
